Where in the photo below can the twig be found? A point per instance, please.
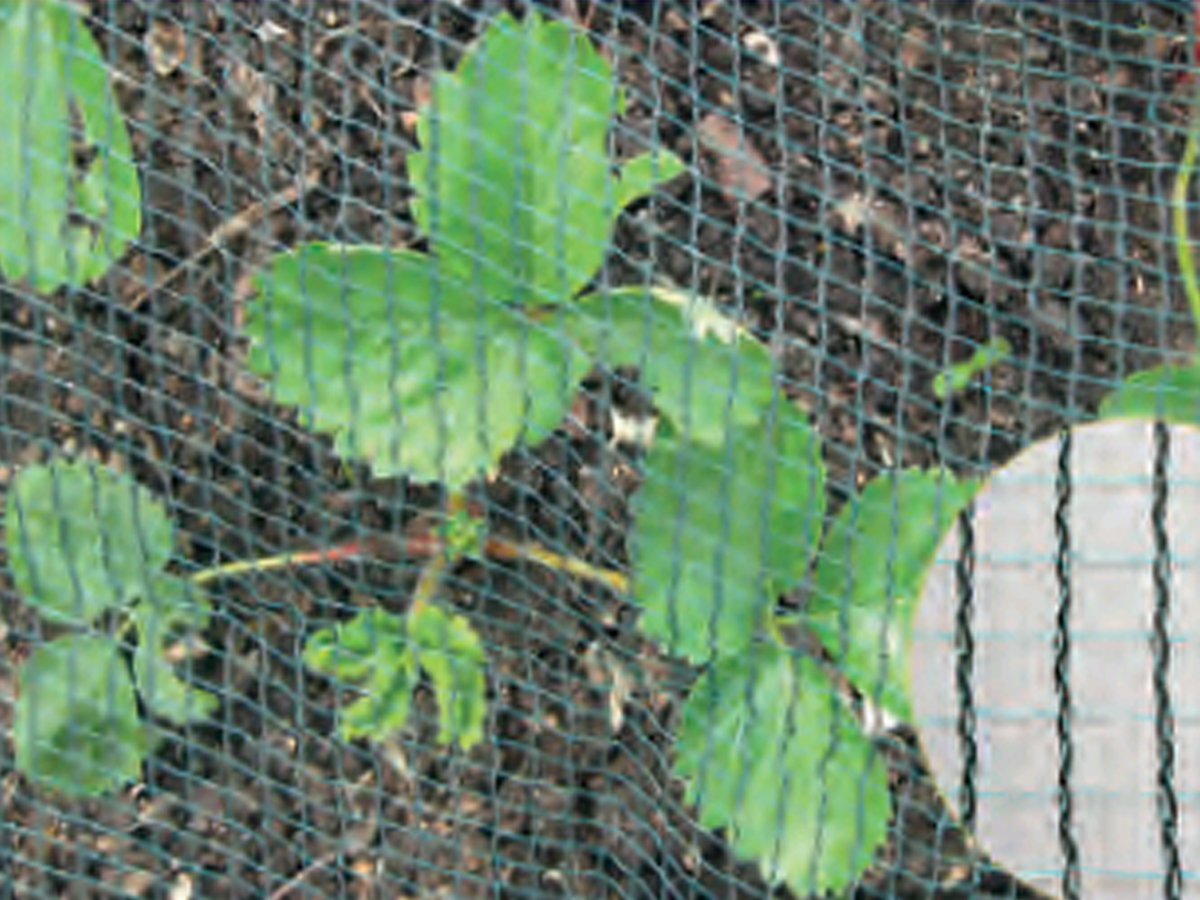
(307, 872)
(229, 229)
(435, 570)
(282, 561)
(498, 548)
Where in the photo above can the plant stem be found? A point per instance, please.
(435, 569)
(1183, 245)
(422, 546)
(498, 548)
(282, 561)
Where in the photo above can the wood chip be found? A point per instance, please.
(763, 46)
(166, 46)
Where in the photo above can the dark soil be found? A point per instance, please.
(942, 173)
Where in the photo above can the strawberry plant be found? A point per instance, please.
(88, 551)
(434, 363)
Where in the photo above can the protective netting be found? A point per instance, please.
(871, 193)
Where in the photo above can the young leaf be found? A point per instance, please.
(1170, 393)
(406, 366)
(959, 375)
(382, 654)
(75, 724)
(705, 372)
(769, 753)
(82, 539)
(448, 650)
(874, 562)
(372, 653)
(714, 530)
(61, 221)
(514, 184)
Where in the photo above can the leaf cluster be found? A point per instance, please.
(730, 514)
(383, 657)
(88, 551)
(434, 363)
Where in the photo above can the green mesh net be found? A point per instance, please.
(596, 449)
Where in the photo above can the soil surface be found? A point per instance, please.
(933, 175)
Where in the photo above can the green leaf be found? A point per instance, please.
(513, 178)
(170, 605)
(770, 754)
(465, 534)
(169, 612)
(716, 533)
(372, 653)
(75, 724)
(164, 693)
(641, 174)
(873, 565)
(82, 539)
(1169, 393)
(958, 376)
(61, 221)
(448, 650)
(403, 364)
(706, 373)
(381, 654)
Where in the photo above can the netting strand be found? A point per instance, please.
(1164, 717)
(964, 647)
(1062, 665)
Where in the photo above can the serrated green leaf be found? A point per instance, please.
(1169, 393)
(799, 787)
(382, 655)
(403, 365)
(82, 539)
(170, 611)
(448, 650)
(873, 563)
(75, 724)
(514, 183)
(705, 372)
(60, 223)
(331, 651)
(373, 654)
(164, 693)
(715, 531)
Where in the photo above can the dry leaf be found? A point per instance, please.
(740, 169)
(255, 90)
(422, 91)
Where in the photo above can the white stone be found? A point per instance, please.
(1115, 820)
